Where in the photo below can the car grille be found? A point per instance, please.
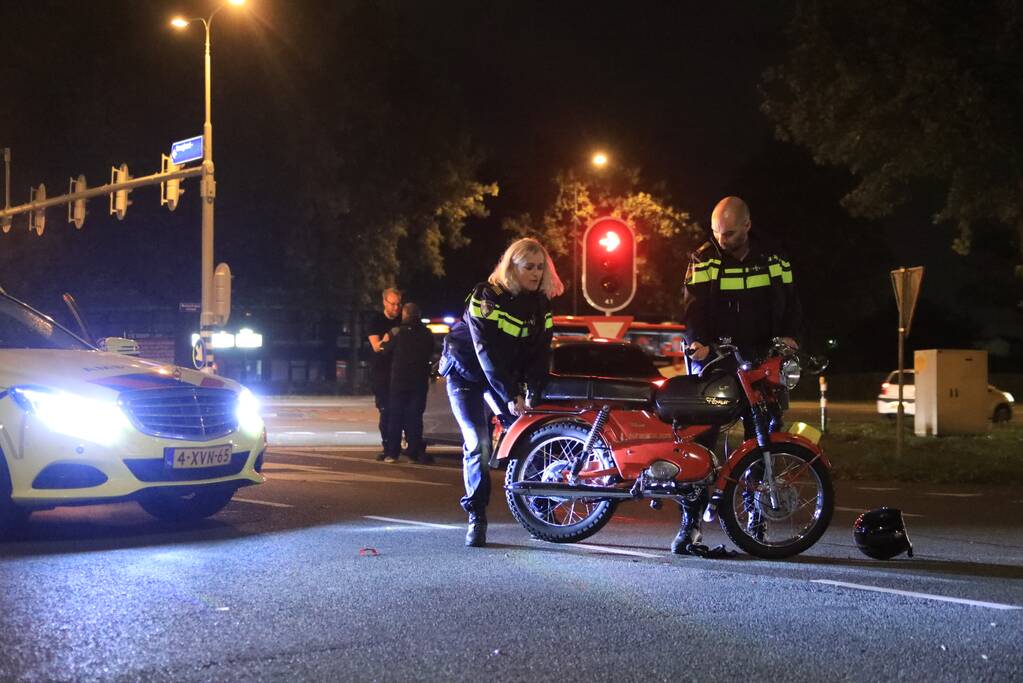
(192, 413)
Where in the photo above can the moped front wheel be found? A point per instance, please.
(545, 456)
(789, 521)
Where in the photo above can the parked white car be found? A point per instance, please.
(1000, 403)
(81, 426)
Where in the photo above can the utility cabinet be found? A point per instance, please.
(951, 392)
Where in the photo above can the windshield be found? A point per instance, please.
(23, 328)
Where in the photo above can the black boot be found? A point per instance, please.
(688, 533)
(476, 535)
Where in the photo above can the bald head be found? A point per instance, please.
(730, 224)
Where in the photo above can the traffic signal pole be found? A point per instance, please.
(154, 179)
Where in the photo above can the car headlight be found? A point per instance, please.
(1008, 397)
(248, 411)
(790, 373)
(85, 418)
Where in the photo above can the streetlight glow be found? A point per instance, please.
(237, 2)
(179, 22)
(600, 160)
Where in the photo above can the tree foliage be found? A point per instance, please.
(913, 97)
(665, 234)
(392, 177)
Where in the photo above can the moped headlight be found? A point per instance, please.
(790, 373)
(662, 470)
(90, 419)
(247, 411)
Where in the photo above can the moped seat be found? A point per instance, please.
(580, 388)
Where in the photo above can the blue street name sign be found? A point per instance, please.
(184, 151)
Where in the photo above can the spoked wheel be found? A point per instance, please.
(546, 456)
(790, 522)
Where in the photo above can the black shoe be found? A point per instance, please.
(476, 535)
(380, 457)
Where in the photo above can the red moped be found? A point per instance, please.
(593, 442)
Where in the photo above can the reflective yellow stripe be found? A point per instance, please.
(755, 281)
(511, 328)
(774, 269)
(786, 277)
(696, 276)
(548, 322)
(731, 283)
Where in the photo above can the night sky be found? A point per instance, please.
(670, 87)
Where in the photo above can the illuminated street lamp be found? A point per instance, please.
(207, 190)
(599, 161)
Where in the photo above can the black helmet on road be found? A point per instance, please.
(881, 534)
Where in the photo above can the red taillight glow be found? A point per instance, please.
(660, 382)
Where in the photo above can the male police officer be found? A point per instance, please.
(739, 287)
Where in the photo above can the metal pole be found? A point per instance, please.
(6, 222)
(575, 254)
(900, 411)
(824, 402)
(207, 191)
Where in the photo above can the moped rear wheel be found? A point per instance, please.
(545, 456)
(796, 518)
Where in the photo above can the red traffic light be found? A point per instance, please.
(609, 264)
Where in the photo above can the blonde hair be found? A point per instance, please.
(516, 254)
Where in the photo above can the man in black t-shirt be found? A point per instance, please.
(410, 350)
(380, 327)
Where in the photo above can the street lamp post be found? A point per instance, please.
(208, 193)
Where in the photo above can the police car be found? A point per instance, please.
(81, 426)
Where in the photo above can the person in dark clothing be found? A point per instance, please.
(410, 351)
(501, 344)
(736, 286)
(380, 328)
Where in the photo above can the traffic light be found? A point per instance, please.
(76, 207)
(37, 221)
(119, 200)
(170, 190)
(609, 264)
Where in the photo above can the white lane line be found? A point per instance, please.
(878, 488)
(261, 502)
(603, 549)
(955, 495)
(913, 594)
(412, 522)
(857, 510)
(355, 432)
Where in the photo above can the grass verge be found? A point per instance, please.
(866, 450)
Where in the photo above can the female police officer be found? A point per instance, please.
(502, 342)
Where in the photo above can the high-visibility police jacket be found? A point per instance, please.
(502, 338)
(752, 301)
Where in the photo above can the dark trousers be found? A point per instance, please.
(382, 398)
(405, 414)
(473, 416)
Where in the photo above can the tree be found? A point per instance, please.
(917, 99)
(391, 176)
(664, 234)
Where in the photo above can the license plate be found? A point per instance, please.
(190, 458)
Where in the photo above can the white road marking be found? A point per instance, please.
(955, 495)
(877, 488)
(913, 594)
(603, 549)
(356, 432)
(262, 502)
(311, 453)
(288, 472)
(839, 508)
(412, 522)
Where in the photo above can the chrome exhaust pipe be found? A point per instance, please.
(575, 491)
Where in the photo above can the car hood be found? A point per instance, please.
(97, 373)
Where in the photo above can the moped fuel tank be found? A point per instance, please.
(712, 398)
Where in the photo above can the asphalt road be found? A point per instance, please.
(343, 568)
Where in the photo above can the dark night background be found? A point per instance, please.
(669, 87)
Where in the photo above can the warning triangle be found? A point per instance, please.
(609, 327)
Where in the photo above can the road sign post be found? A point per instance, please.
(906, 283)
